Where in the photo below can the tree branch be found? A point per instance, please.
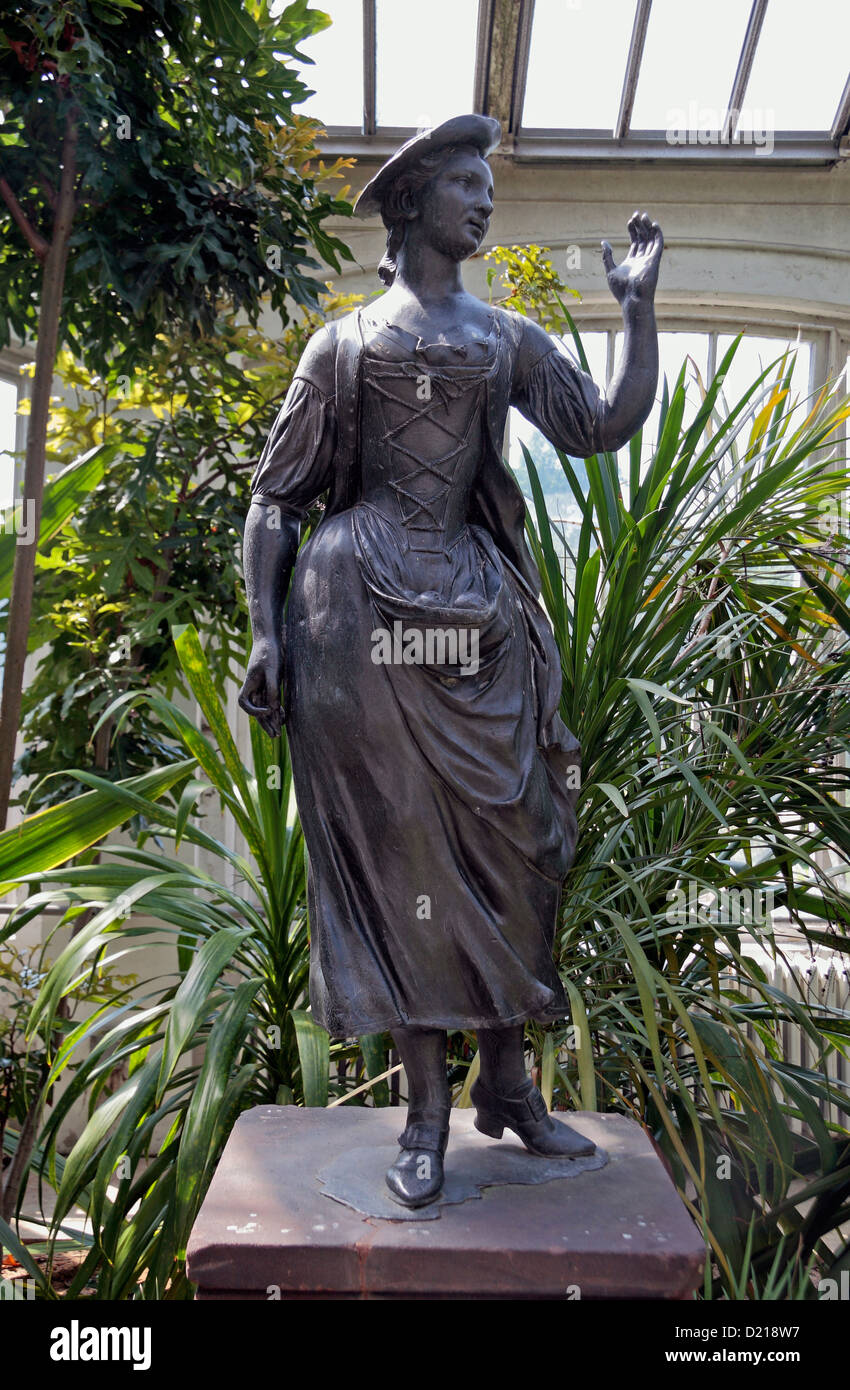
(241, 465)
(35, 241)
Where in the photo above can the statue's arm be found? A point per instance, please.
(631, 391)
(293, 471)
(562, 401)
(628, 400)
(268, 555)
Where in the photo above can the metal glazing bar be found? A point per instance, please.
(369, 67)
(482, 56)
(841, 124)
(745, 67)
(523, 47)
(627, 96)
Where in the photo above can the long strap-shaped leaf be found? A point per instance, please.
(61, 498)
(192, 1000)
(57, 833)
(202, 685)
(583, 1048)
(314, 1052)
(202, 1134)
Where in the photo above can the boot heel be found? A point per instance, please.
(489, 1125)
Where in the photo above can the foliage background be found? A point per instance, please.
(703, 624)
(157, 541)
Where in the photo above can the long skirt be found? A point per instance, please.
(436, 787)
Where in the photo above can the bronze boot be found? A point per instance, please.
(525, 1112)
(416, 1177)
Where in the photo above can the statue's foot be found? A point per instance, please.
(416, 1177)
(526, 1114)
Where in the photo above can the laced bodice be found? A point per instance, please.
(422, 416)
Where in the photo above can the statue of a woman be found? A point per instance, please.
(435, 780)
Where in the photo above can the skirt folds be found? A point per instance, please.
(437, 799)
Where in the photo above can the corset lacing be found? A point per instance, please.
(448, 400)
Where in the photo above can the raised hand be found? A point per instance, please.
(636, 277)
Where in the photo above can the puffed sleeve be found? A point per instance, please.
(550, 391)
(295, 465)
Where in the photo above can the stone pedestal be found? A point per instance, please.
(269, 1226)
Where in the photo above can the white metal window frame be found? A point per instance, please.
(500, 64)
(11, 361)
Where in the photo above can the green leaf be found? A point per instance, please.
(192, 1001)
(203, 688)
(58, 833)
(374, 1049)
(314, 1053)
(10, 1242)
(62, 496)
(583, 1048)
(547, 1070)
(203, 1135)
(231, 21)
(615, 797)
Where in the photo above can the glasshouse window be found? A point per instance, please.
(406, 92)
(701, 353)
(391, 866)
(8, 440)
(336, 74)
(592, 95)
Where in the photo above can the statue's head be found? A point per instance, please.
(438, 188)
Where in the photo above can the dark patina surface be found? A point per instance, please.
(437, 785)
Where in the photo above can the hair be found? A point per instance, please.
(398, 202)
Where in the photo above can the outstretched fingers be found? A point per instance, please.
(647, 240)
(634, 234)
(640, 264)
(644, 233)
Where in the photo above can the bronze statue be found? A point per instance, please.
(435, 779)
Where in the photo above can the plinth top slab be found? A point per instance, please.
(267, 1227)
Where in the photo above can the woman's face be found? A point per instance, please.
(455, 206)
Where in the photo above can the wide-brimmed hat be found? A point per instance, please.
(481, 131)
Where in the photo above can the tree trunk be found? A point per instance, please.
(23, 576)
(19, 1166)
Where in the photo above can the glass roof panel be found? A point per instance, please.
(800, 66)
(337, 76)
(576, 64)
(425, 61)
(689, 63)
